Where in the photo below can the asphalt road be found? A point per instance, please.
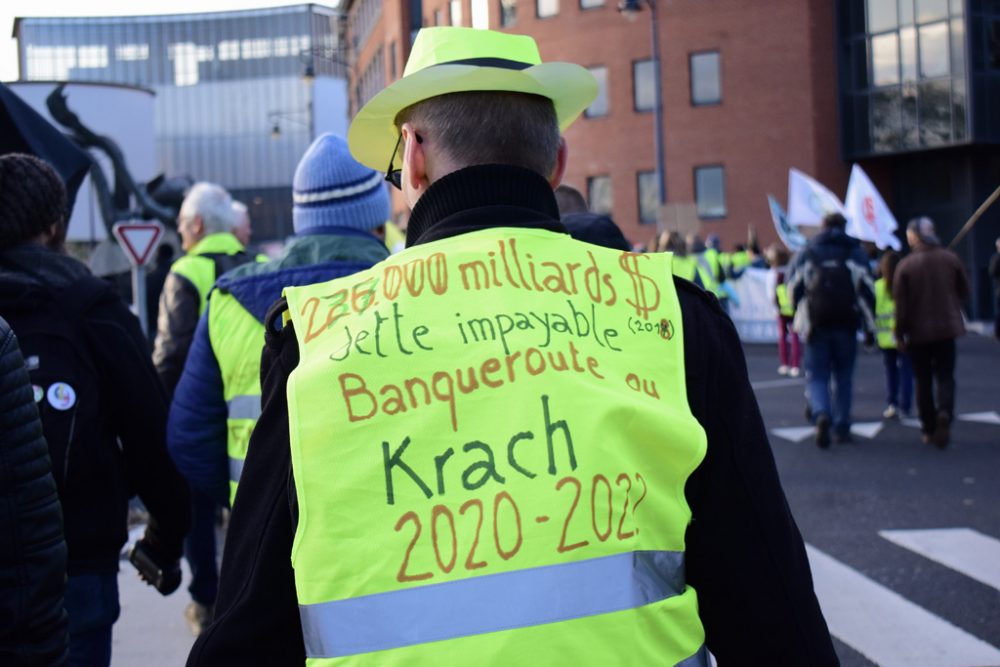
(904, 538)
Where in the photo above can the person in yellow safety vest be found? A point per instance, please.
(739, 259)
(218, 398)
(503, 446)
(789, 349)
(682, 265)
(205, 223)
(898, 370)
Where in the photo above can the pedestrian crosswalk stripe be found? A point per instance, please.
(794, 433)
(990, 417)
(885, 627)
(961, 549)
(867, 430)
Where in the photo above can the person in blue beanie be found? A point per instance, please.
(339, 212)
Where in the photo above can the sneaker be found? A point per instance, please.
(842, 438)
(823, 432)
(794, 371)
(890, 412)
(782, 370)
(941, 429)
(198, 616)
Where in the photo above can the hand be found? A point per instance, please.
(162, 574)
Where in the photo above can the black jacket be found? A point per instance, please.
(745, 556)
(32, 550)
(118, 442)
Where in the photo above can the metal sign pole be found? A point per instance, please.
(139, 298)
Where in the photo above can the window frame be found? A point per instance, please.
(590, 203)
(725, 204)
(607, 96)
(635, 89)
(638, 195)
(718, 71)
(538, 14)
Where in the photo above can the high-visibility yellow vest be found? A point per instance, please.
(740, 260)
(684, 267)
(885, 316)
(708, 266)
(237, 338)
(490, 438)
(785, 307)
(200, 270)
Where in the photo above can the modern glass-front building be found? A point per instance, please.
(920, 109)
(239, 95)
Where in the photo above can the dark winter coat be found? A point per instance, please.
(118, 447)
(32, 550)
(928, 287)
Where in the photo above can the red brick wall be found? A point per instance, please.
(778, 110)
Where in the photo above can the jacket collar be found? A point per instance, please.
(220, 243)
(482, 197)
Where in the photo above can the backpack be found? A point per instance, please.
(65, 381)
(830, 293)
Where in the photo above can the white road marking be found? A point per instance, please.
(887, 628)
(912, 422)
(962, 549)
(867, 429)
(990, 417)
(794, 433)
(773, 384)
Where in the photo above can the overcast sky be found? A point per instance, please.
(12, 8)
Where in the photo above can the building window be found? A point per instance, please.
(600, 106)
(885, 59)
(392, 61)
(649, 197)
(934, 50)
(481, 14)
(438, 17)
(508, 13)
(546, 8)
(455, 7)
(706, 82)
(132, 52)
(710, 191)
(591, 4)
(95, 56)
(882, 15)
(599, 194)
(643, 95)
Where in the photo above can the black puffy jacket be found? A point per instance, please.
(32, 550)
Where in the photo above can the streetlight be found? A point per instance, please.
(630, 10)
(273, 118)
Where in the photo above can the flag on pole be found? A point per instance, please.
(809, 200)
(789, 235)
(868, 217)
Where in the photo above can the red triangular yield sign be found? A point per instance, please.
(138, 239)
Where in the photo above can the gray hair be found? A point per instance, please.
(239, 210)
(490, 127)
(212, 204)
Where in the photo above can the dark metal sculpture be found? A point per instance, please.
(129, 200)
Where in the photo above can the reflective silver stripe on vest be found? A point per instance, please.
(699, 659)
(235, 469)
(244, 407)
(490, 603)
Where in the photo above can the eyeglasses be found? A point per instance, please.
(395, 176)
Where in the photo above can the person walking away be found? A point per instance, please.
(789, 350)
(898, 372)
(682, 264)
(102, 407)
(33, 553)
(345, 465)
(205, 222)
(928, 287)
(833, 296)
(338, 227)
(995, 275)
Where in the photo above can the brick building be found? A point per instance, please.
(908, 88)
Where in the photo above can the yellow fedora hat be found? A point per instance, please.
(455, 60)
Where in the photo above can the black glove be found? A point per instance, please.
(163, 574)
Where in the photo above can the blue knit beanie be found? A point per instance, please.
(332, 190)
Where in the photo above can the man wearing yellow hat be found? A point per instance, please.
(502, 446)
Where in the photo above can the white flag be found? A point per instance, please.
(868, 217)
(790, 236)
(809, 200)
